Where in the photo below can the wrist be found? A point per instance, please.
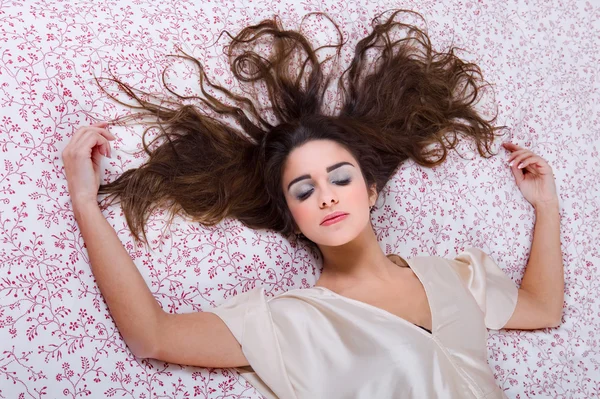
(80, 207)
(546, 205)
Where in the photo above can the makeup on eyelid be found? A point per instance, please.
(304, 195)
(329, 169)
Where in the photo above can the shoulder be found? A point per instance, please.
(298, 306)
(469, 256)
(427, 261)
(295, 296)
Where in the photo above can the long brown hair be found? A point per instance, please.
(404, 101)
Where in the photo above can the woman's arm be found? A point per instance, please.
(129, 300)
(540, 300)
(544, 276)
(195, 339)
(199, 338)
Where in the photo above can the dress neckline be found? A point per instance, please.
(390, 314)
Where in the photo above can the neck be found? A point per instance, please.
(358, 261)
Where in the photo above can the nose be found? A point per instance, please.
(328, 197)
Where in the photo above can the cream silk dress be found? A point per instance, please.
(315, 344)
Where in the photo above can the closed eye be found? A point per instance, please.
(307, 194)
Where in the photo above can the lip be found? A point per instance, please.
(333, 218)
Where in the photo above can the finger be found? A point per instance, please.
(517, 173)
(536, 161)
(518, 160)
(97, 155)
(517, 154)
(106, 133)
(85, 147)
(84, 130)
(89, 142)
(512, 146)
(80, 141)
(103, 126)
(103, 123)
(105, 149)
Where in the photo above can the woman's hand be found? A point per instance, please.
(82, 161)
(533, 175)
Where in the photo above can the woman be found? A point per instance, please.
(374, 326)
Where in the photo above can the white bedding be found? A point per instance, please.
(57, 338)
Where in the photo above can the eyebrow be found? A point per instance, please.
(329, 169)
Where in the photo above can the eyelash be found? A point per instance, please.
(308, 193)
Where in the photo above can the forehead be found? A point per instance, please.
(313, 157)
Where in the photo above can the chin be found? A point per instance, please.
(331, 242)
(335, 238)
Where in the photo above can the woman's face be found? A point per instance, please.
(319, 178)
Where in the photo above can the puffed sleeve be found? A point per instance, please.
(248, 317)
(494, 292)
(238, 308)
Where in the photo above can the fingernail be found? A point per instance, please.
(520, 166)
(511, 163)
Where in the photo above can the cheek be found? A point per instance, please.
(358, 195)
(300, 212)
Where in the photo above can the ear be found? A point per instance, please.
(373, 194)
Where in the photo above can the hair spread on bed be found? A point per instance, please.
(401, 100)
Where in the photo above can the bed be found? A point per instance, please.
(57, 337)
